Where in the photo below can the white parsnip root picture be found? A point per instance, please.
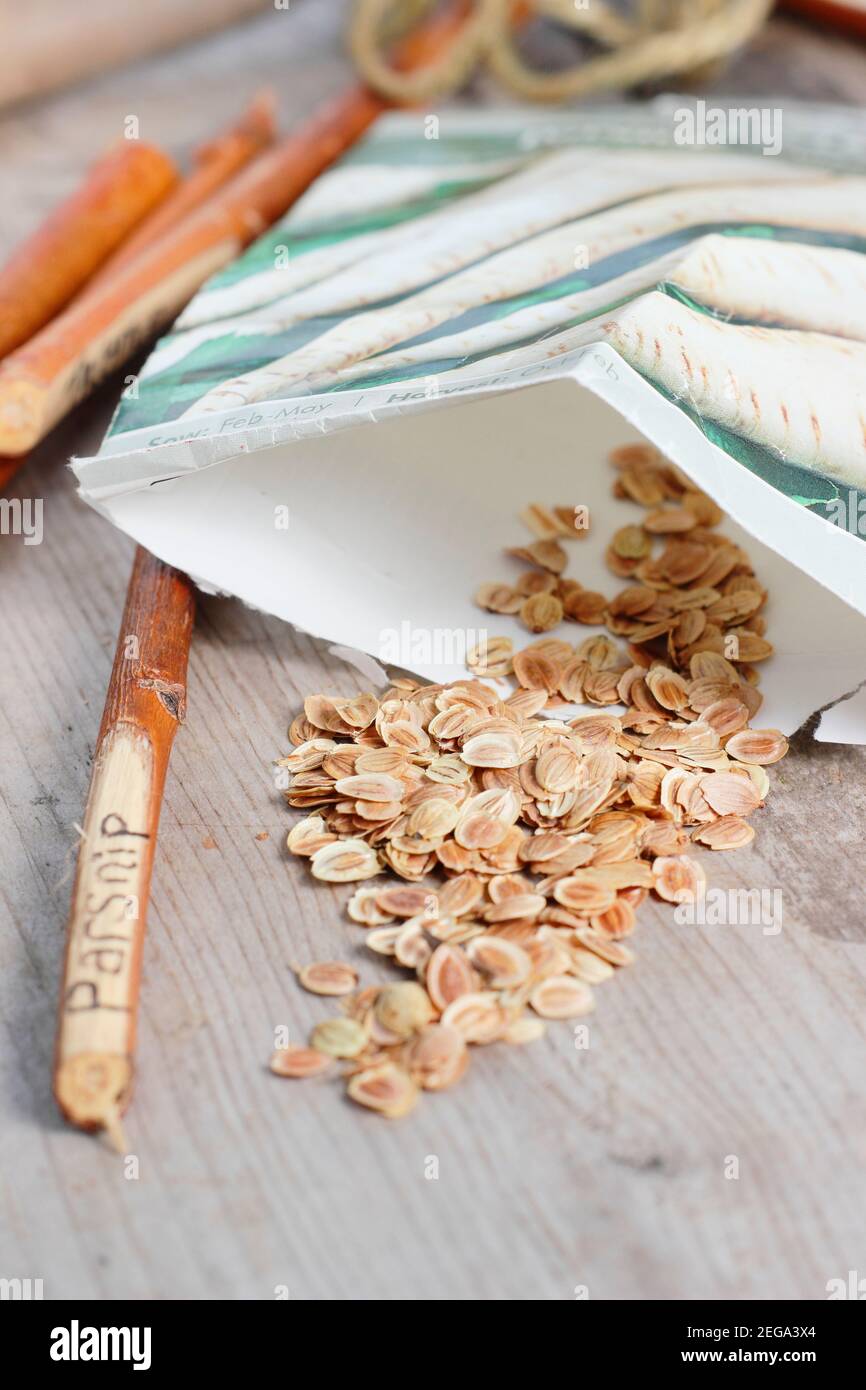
(734, 284)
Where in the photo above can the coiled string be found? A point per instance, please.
(657, 39)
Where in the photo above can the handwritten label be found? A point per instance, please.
(105, 934)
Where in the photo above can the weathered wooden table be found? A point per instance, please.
(609, 1168)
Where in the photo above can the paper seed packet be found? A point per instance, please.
(465, 315)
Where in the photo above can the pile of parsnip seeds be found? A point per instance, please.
(521, 841)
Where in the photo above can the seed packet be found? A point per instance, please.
(464, 317)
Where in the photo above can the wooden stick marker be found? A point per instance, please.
(145, 705)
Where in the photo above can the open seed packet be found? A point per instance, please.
(465, 317)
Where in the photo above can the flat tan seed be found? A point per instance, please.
(549, 555)
(535, 671)
(750, 647)
(536, 582)
(761, 746)
(362, 909)
(541, 612)
(308, 755)
(300, 1062)
(477, 1016)
(386, 1088)
(542, 522)
(557, 768)
(544, 845)
(584, 893)
(548, 954)
(454, 929)
(586, 606)
(730, 794)
(339, 1037)
(602, 945)
(371, 786)
(403, 1008)
(437, 1057)
(571, 680)
(759, 778)
(670, 519)
(309, 835)
(390, 760)
(632, 601)
(712, 666)
(726, 716)
(505, 964)
(460, 895)
(401, 733)
(631, 543)
(554, 648)
(373, 810)
(346, 861)
(407, 865)
(508, 886)
(492, 750)
(515, 907)
(499, 598)
(586, 965)
(616, 921)
(301, 730)
(525, 1030)
(358, 712)
(492, 656)
(455, 858)
(448, 975)
(479, 831)
(412, 948)
(455, 722)
(600, 687)
(668, 688)
(383, 940)
(502, 802)
(729, 832)
(734, 607)
(626, 873)
(400, 901)
(449, 770)
(706, 511)
(640, 456)
(526, 703)
(432, 820)
(574, 521)
(562, 996)
(328, 977)
(677, 878)
(321, 711)
(343, 761)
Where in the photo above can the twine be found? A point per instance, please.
(658, 39)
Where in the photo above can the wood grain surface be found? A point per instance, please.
(558, 1167)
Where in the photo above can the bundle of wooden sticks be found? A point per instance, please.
(110, 268)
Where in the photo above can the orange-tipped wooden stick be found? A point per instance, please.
(145, 704)
(146, 697)
(43, 274)
(215, 163)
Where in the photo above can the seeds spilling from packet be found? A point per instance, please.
(522, 844)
